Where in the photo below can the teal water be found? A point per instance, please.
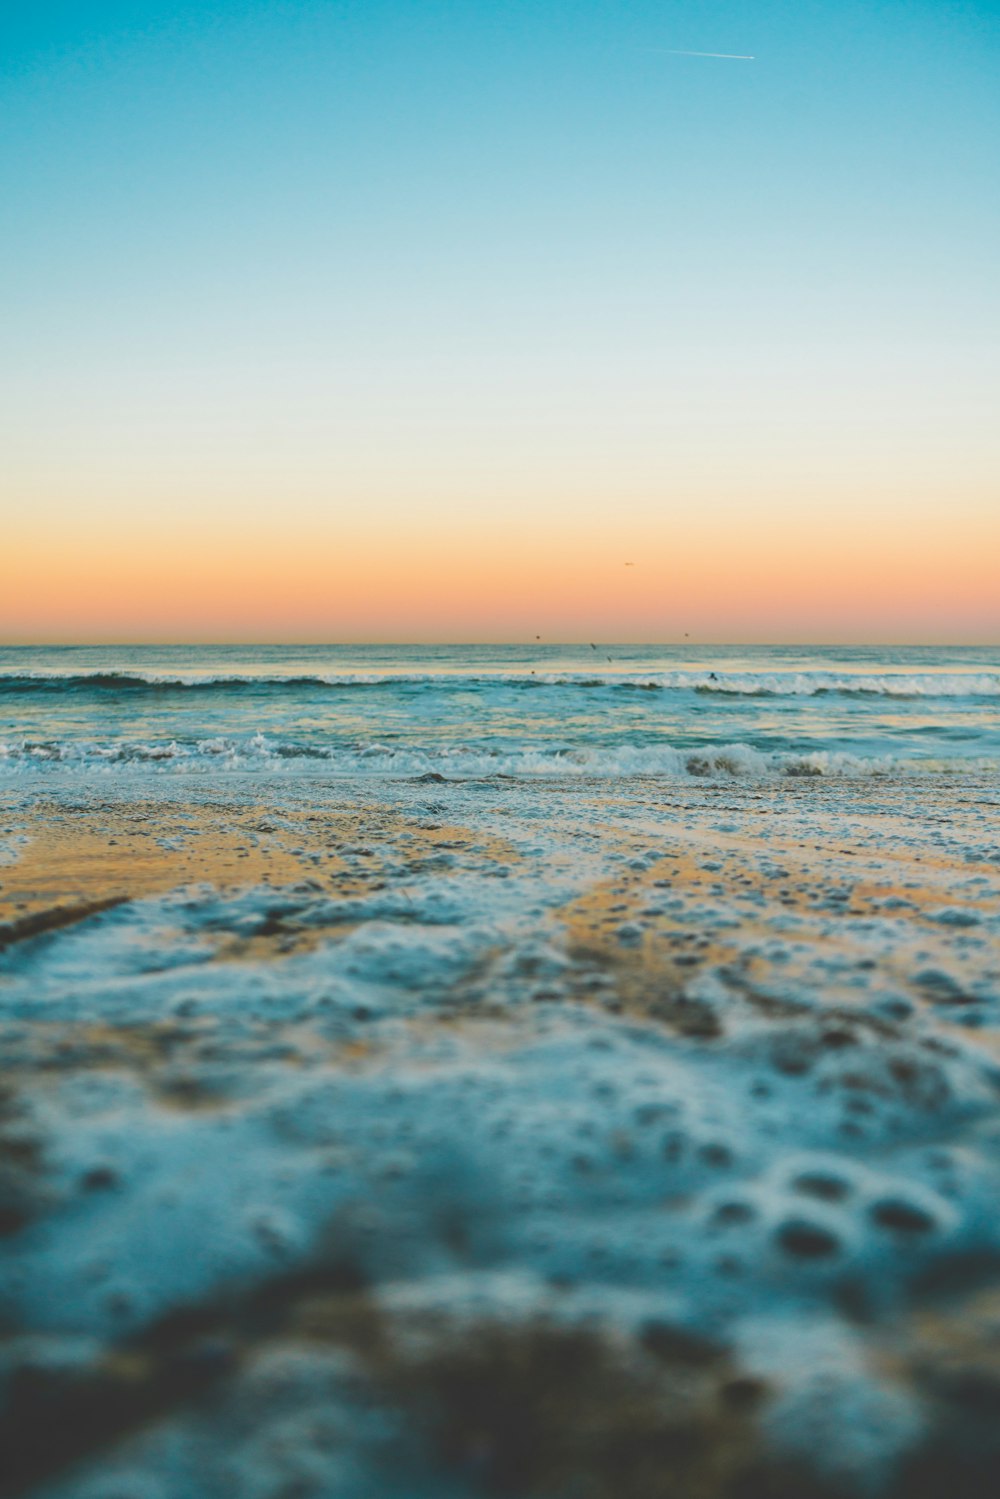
(512, 710)
(537, 992)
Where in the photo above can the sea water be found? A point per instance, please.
(431, 1072)
(502, 710)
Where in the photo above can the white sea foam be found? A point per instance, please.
(419, 1088)
(379, 759)
(892, 684)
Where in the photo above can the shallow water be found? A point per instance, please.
(486, 710)
(455, 1081)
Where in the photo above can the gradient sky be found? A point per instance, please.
(408, 320)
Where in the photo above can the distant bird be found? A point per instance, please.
(538, 637)
(593, 647)
(630, 564)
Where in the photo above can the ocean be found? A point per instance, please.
(543, 1071)
(472, 711)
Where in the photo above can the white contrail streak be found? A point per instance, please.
(729, 56)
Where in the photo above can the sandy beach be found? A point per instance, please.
(475, 1138)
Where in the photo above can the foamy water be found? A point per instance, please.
(514, 711)
(412, 1057)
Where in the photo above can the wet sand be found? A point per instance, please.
(501, 1139)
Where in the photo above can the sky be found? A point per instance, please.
(421, 319)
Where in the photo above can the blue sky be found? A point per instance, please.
(536, 170)
(444, 217)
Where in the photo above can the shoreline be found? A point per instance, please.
(627, 1099)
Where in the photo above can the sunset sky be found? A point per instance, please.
(407, 320)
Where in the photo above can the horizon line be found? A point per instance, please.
(60, 645)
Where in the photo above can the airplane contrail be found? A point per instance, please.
(729, 56)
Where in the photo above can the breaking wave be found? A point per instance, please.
(896, 684)
(262, 752)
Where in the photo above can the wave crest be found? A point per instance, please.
(376, 759)
(894, 684)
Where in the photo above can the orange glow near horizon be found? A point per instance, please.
(727, 578)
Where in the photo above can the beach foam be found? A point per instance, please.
(381, 759)
(366, 1105)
